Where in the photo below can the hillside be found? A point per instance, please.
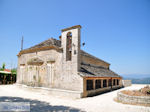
(137, 78)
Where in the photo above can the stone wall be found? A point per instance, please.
(126, 83)
(71, 67)
(38, 75)
(133, 99)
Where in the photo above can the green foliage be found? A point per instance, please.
(3, 66)
(1, 69)
(14, 71)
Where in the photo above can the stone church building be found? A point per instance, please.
(63, 68)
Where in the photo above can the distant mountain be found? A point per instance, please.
(138, 78)
(135, 76)
(141, 81)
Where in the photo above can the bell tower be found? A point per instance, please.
(70, 40)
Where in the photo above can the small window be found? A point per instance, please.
(105, 83)
(98, 84)
(89, 84)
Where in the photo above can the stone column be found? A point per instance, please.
(112, 83)
(120, 82)
(4, 81)
(101, 83)
(94, 84)
(84, 87)
(107, 82)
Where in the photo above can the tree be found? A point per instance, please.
(3, 66)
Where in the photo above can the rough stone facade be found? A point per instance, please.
(47, 64)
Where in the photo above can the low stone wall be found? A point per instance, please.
(133, 99)
(126, 83)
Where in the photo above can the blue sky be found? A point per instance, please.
(117, 31)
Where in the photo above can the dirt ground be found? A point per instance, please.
(43, 102)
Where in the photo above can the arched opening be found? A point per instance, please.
(69, 47)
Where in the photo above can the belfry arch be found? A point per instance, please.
(69, 46)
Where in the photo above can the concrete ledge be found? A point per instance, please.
(97, 91)
(116, 87)
(133, 99)
(101, 90)
(53, 91)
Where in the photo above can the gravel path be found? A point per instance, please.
(42, 102)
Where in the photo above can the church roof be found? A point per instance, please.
(49, 42)
(91, 56)
(89, 70)
(56, 44)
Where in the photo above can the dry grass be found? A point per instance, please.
(142, 92)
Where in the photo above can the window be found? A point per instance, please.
(114, 82)
(110, 82)
(105, 83)
(98, 84)
(117, 81)
(69, 47)
(89, 84)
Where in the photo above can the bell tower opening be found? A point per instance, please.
(69, 47)
(70, 42)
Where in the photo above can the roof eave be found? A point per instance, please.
(90, 55)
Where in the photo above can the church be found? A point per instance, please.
(63, 68)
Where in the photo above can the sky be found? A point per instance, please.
(117, 31)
